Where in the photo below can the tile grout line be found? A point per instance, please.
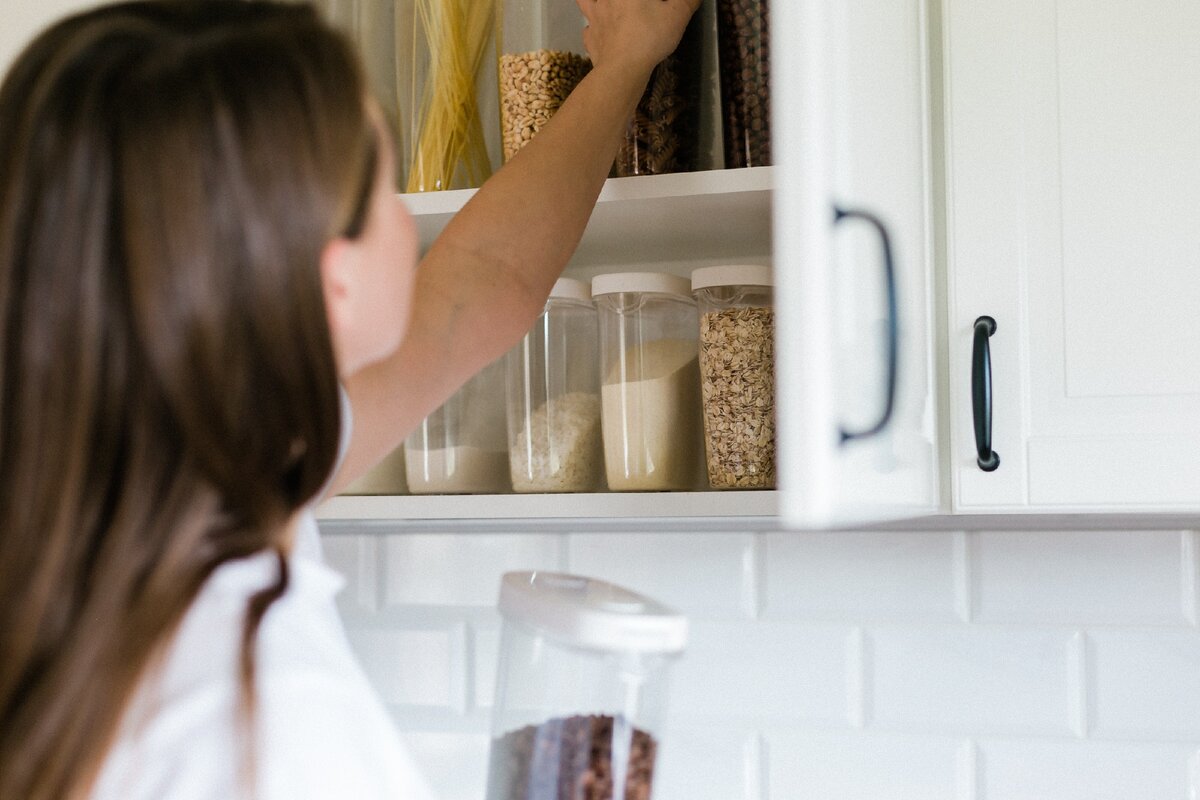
(963, 577)
(858, 671)
(1190, 577)
(969, 775)
(378, 568)
(755, 775)
(754, 578)
(1078, 679)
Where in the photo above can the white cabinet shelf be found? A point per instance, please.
(716, 508)
(694, 217)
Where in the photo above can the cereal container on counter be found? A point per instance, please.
(462, 447)
(664, 134)
(744, 48)
(650, 381)
(554, 397)
(541, 60)
(581, 689)
(737, 373)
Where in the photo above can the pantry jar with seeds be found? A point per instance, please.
(554, 440)
(737, 374)
(539, 44)
(581, 689)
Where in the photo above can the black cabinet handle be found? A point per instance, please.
(893, 329)
(981, 394)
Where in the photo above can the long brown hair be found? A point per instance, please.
(169, 173)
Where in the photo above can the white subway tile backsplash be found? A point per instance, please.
(991, 666)
(959, 678)
(860, 576)
(414, 667)
(862, 766)
(1145, 684)
(454, 763)
(708, 762)
(1080, 577)
(769, 671)
(709, 575)
(446, 569)
(1033, 770)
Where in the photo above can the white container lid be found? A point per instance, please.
(734, 275)
(645, 282)
(571, 289)
(589, 613)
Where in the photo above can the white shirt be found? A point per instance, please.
(322, 731)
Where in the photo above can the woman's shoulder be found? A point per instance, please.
(320, 729)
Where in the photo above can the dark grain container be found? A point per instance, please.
(664, 135)
(577, 758)
(744, 48)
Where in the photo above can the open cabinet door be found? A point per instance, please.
(853, 262)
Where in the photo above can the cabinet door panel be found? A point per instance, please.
(851, 125)
(1074, 211)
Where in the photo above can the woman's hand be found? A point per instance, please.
(638, 33)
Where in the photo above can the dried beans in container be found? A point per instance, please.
(744, 49)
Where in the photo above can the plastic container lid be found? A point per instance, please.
(571, 289)
(735, 275)
(590, 613)
(646, 282)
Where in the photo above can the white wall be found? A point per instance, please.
(965, 666)
(23, 19)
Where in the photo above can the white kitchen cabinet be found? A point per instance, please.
(851, 127)
(852, 111)
(1073, 219)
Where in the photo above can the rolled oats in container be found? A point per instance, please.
(554, 397)
(542, 60)
(581, 689)
(737, 374)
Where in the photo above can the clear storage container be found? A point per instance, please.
(462, 448)
(441, 71)
(664, 134)
(581, 689)
(650, 381)
(386, 478)
(737, 371)
(744, 49)
(541, 60)
(554, 397)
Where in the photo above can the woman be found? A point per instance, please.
(199, 241)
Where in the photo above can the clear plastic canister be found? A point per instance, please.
(554, 397)
(581, 689)
(386, 478)
(462, 447)
(650, 381)
(541, 60)
(737, 373)
(744, 47)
